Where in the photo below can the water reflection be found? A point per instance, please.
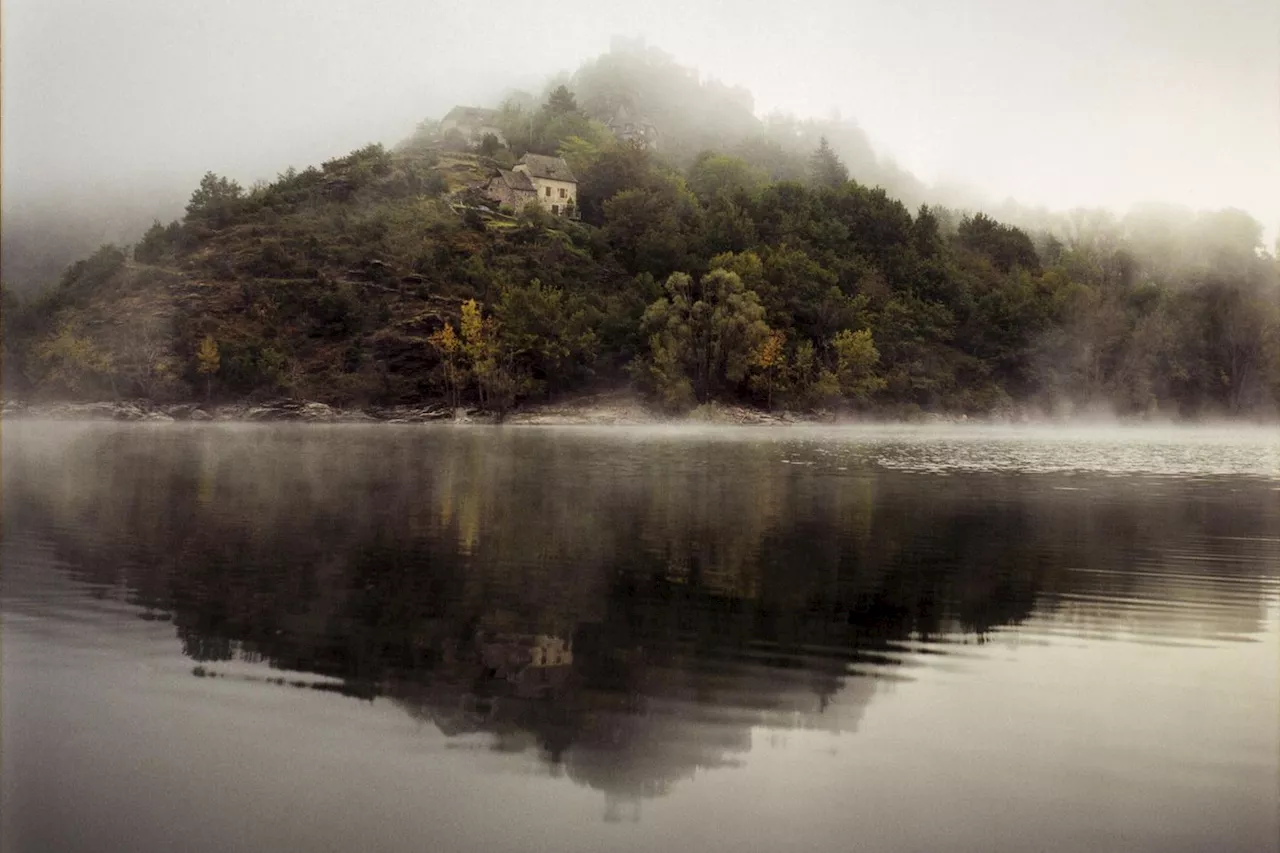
(628, 609)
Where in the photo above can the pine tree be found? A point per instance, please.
(561, 101)
(825, 168)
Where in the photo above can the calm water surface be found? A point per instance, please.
(523, 639)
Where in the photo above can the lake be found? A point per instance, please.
(444, 638)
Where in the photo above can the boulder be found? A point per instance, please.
(316, 412)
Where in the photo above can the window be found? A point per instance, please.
(555, 208)
(548, 192)
(562, 192)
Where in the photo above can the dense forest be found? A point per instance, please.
(744, 260)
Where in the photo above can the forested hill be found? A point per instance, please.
(705, 269)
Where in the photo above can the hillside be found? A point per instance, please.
(742, 276)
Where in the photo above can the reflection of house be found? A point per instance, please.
(474, 123)
(511, 188)
(512, 656)
(553, 181)
(632, 127)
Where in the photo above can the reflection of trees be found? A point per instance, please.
(631, 612)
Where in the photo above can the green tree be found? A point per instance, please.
(158, 241)
(825, 168)
(583, 151)
(653, 230)
(215, 202)
(616, 168)
(1005, 245)
(71, 361)
(713, 175)
(856, 359)
(706, 333)
(545, 334)
(561, 101)
(489, 145)
(810, 385)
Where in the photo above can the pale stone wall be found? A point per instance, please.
(503, 194)
(555, 196)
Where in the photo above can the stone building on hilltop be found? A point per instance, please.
(511, 189)
(535, 176)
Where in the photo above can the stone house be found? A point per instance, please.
(512, 189)
(512, 656)
(474, 123)
(553, 182)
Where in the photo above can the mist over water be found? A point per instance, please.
(467, 638)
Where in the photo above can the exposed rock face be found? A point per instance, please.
(291, 410)
(183, 411)
(412, 414)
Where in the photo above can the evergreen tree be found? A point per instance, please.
(825, 168)
(561, 101)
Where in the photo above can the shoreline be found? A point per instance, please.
(609, 409)
(600, 410)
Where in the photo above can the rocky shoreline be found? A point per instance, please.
(601, 410)
(271, 411)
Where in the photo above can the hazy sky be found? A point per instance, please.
(1086, 102)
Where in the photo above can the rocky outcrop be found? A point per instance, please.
(416, 414)
(611, 409)
(119, 411)
(291, 410)
(271, 411)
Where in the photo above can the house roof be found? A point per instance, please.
(515, 180)
(549, 168)
(471, 114)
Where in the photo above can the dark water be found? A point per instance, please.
(569, 639)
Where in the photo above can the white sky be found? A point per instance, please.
(1063, 104)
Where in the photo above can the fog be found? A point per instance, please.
(113, 111)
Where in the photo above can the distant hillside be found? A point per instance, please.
(692, 114)
(720, 259)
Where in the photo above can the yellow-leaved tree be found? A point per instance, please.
(449, 345)
(71, 360)
(480, 344)
(770, 363)
(208, 362)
